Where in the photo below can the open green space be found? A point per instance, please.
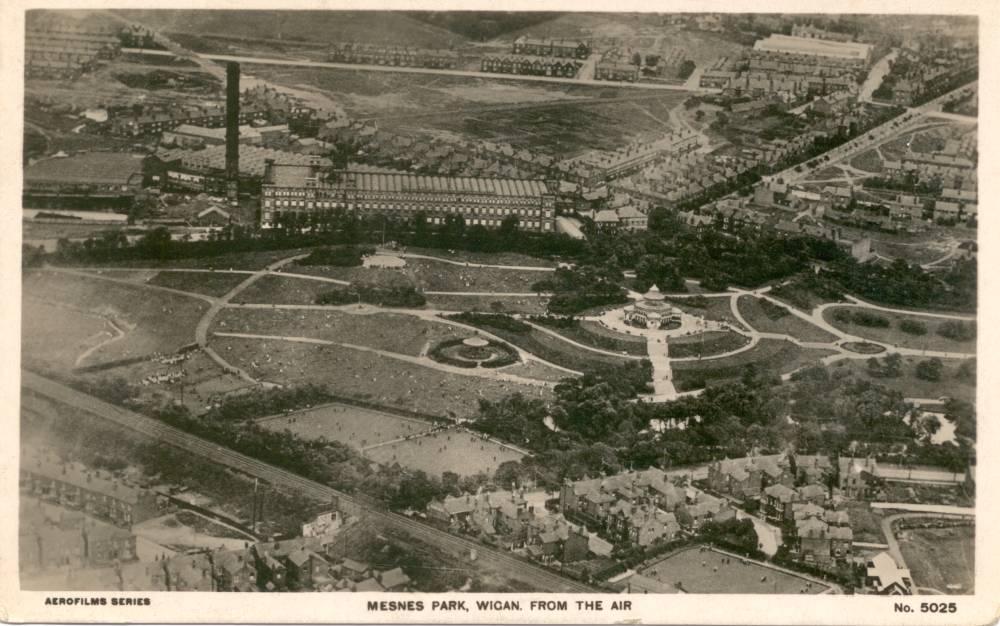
(433, 276)
(943, 559)
(528, 305)
(152, 321)
(893, 334)
(459, 451)
(593, 334)
(545, 346)
(868, 161)
(368, 377)
(707, 571)
(352, 425)
(404, 334)
(706, 344)
(951, 384)
(210, 284)
(769, 355)
(54, 336)
(768, 317)
(710, 308)
(278, 289)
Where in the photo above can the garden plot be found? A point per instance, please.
(404, 334)
(351, 425)
(369, 377)
(152, 321)
(453, 450)
(707, 571)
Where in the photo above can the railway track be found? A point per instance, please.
(525, 571)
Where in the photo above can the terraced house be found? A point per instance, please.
(305, 189)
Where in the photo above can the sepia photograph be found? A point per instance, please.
(488, 304)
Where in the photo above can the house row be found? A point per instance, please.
(561, 48)
(748, 477)
(598, 166)
(56, 53)
(75, 486)
(154, 121)
(616, 70)
(639, 508)
(402, 56)
(532, 66)
(626, 217)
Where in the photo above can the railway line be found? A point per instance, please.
(41, 387)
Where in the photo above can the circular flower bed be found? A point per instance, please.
(473, 352)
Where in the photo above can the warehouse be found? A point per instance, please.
(93, 180)
(302, 189)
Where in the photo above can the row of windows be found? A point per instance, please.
(268, 218)
(299, 204)
(412, 197)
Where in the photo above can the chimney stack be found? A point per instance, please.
(232, 132)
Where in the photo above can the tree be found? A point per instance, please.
(930, 370)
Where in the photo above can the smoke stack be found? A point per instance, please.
(232, 132)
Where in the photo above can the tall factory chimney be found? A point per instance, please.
(233, 132)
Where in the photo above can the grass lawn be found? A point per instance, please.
(369, 377)
(278, 289)
(454, 450)
(893, 335)
(153, 321)
(393, 332)
(555, 350)
(706, 344)
(771, 355)
(199, 282)
(593, 334)
(490, 304)
(868, 161)
(772, 318)
(939, 557)
(538, 371)
(705, 572)
(433, 276)
(231, 261)
(912, 387)
(53, 336)
(355, 426)
(491, 258)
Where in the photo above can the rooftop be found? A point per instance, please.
(91, 168)
(814, 47)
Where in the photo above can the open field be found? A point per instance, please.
(489, 304)
(152, 321)
(456, 450)
(593, 334)
(893, 335)
(912, 387)
(278, 289)
(868, 161)
(433, 276)
(198, 282)
(706, 572)
(939, 557)
(770, 355)
(488, 258)
(771, 318)
(555, 350)
(706, 344)
(55, 336)
(404, 334)
(355, 426)
(368, 377)
(231, 261)
(536, 370)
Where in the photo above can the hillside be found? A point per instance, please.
(375, 27)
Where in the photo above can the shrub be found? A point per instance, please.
(957, 331)
(872, 320)
(930, 370)
(913, 327)
(401, 296)
(493, 320)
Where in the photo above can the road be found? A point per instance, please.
(875, 76)
(425, 70)
(513, 567)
